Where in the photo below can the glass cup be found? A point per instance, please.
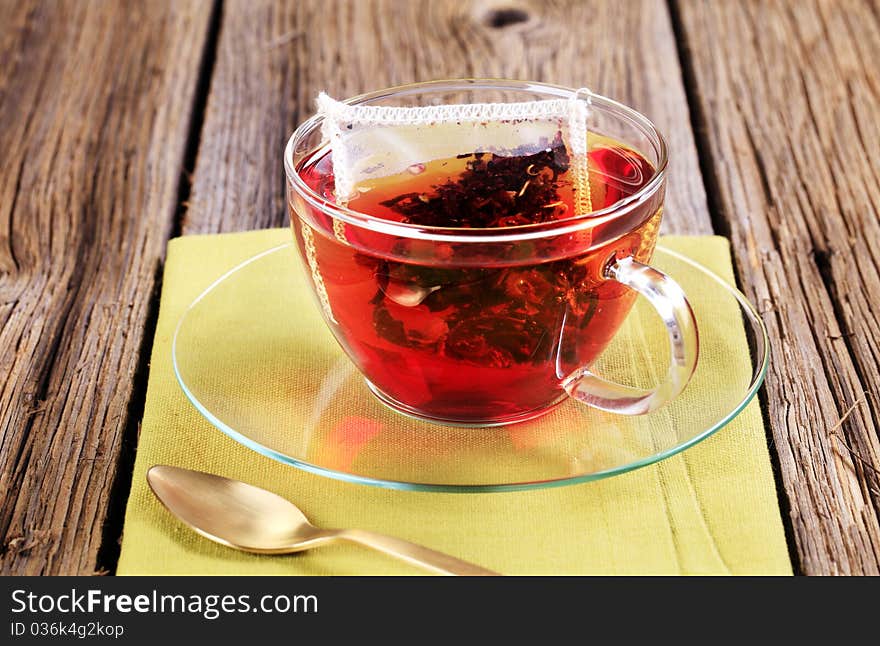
(488, 326)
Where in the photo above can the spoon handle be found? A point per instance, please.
(413, 553)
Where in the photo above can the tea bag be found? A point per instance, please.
(519, 156)
(369, 142)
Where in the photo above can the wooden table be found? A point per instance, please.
(123, 124)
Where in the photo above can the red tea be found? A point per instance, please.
(477, 333)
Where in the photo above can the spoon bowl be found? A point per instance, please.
(251, 519)
(232, 512)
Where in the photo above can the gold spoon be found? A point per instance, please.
(248, 518)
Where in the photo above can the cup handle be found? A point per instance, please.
(673, 307)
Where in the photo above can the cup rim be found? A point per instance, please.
(489, 234)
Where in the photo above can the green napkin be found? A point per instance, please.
(709, 510)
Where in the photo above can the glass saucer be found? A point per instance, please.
(255, 358)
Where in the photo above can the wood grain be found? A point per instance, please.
(790, 96)
(274, 57)
(95, 102)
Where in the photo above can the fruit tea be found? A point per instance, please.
(486, 338)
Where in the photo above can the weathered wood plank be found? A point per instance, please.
(95, 102)
(275, 56)
(790, 96)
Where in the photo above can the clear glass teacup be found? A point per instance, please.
(492, 324)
